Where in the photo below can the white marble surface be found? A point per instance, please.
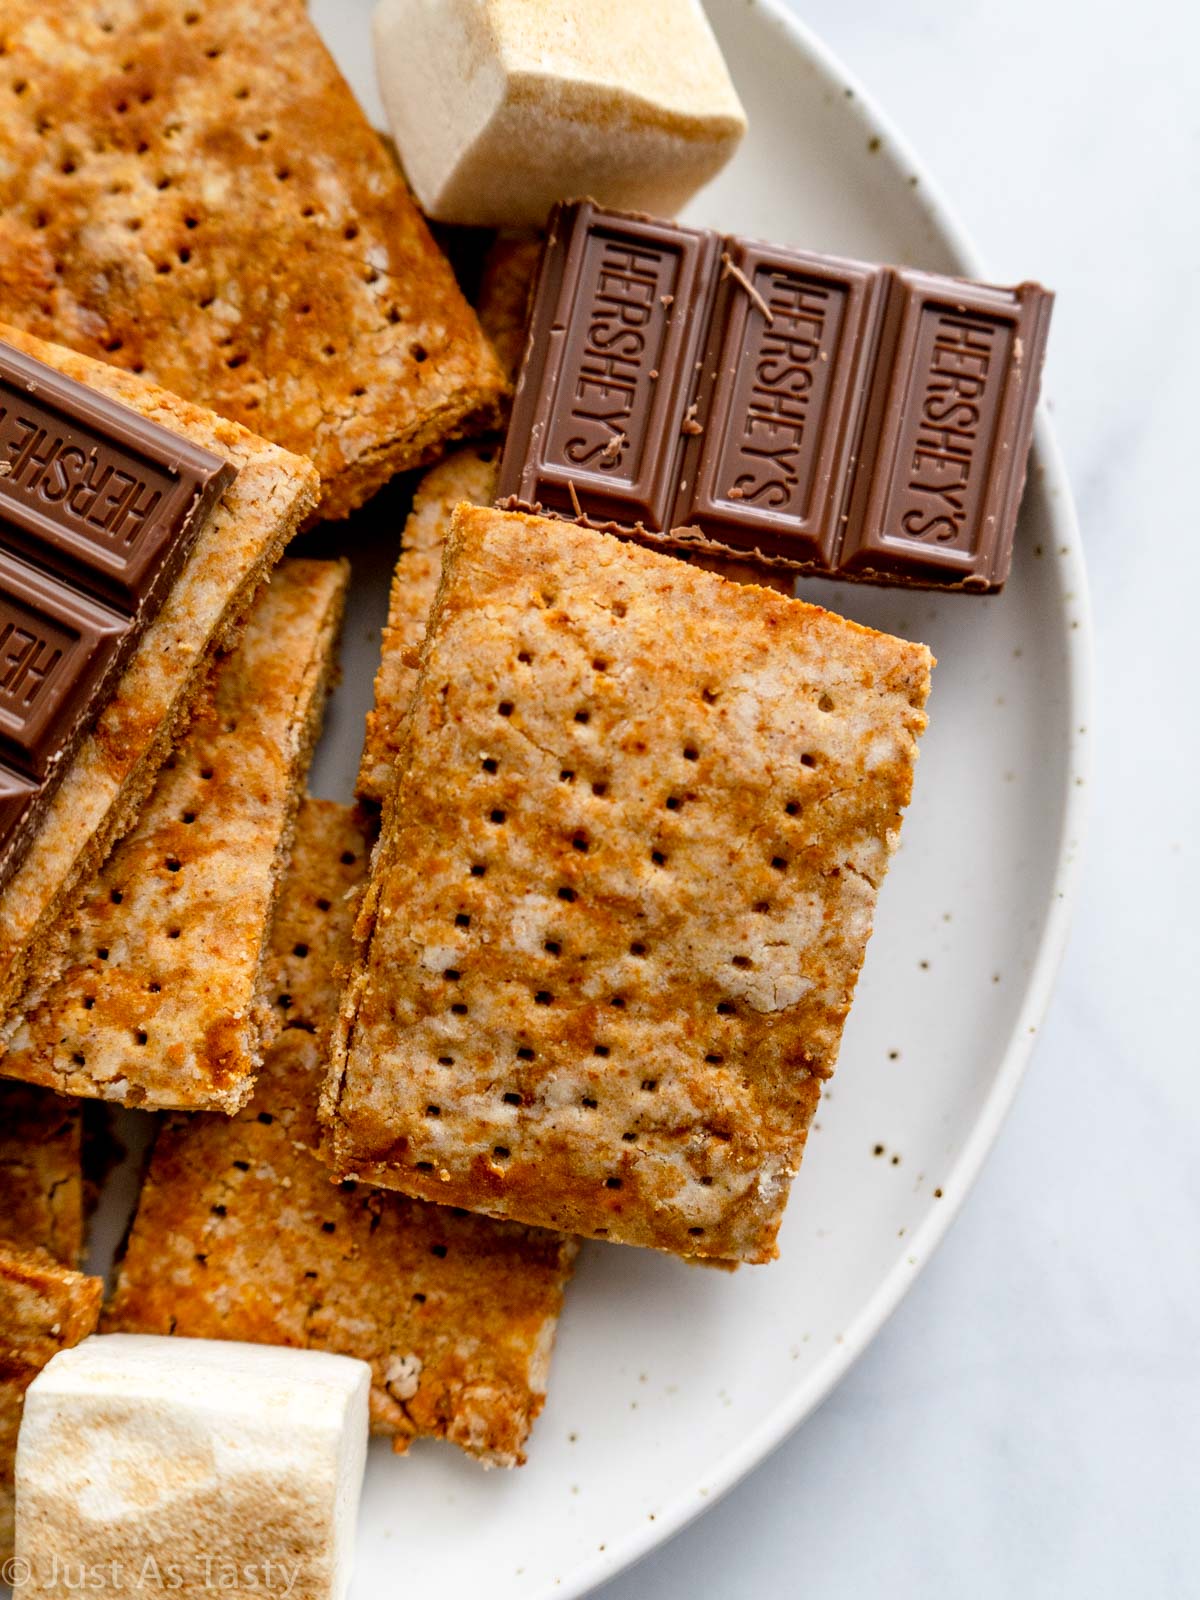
(1029, 1423)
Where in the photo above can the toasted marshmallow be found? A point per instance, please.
(191, 1465)
(501, 107)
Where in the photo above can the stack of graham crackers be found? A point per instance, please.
(577, 963)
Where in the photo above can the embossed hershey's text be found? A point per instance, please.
(44, 464)
(948, 428)
(613, 350)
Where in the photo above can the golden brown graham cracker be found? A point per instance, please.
(509, 269)
(624, 886)
(115, 766)
(154, 999)
(41, 1172)
(468, 474)
(44, 1308)
(191, 190)
(242, 1234)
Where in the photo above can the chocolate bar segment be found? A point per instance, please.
(839, 419)
(940, 482)
(98, 511)
(56, 648)
(94, 491)
(611, 363)
(781, 398)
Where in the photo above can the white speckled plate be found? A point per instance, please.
(670, 1382)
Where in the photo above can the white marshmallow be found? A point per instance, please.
(190, 1466)
(501, 107)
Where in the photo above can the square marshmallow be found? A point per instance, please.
(191, 1466)
(501, 107)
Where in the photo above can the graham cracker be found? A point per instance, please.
(41, 1172)
(625, 882)
(505, 287)
(468, 474)
(241, 1232)
(193, 191)
(153, 1000)
(44, 1308)
(115, 766)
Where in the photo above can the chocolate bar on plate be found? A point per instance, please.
(801, 411)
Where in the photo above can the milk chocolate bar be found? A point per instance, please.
(802, 411)
(99, 508)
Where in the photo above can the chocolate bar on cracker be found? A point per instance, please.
(626, 879)
(81, 761)
(155, 997)
(242, 1233)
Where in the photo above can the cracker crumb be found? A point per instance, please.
(730, 269)
(403, 1376)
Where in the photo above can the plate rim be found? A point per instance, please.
(704, 1492)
